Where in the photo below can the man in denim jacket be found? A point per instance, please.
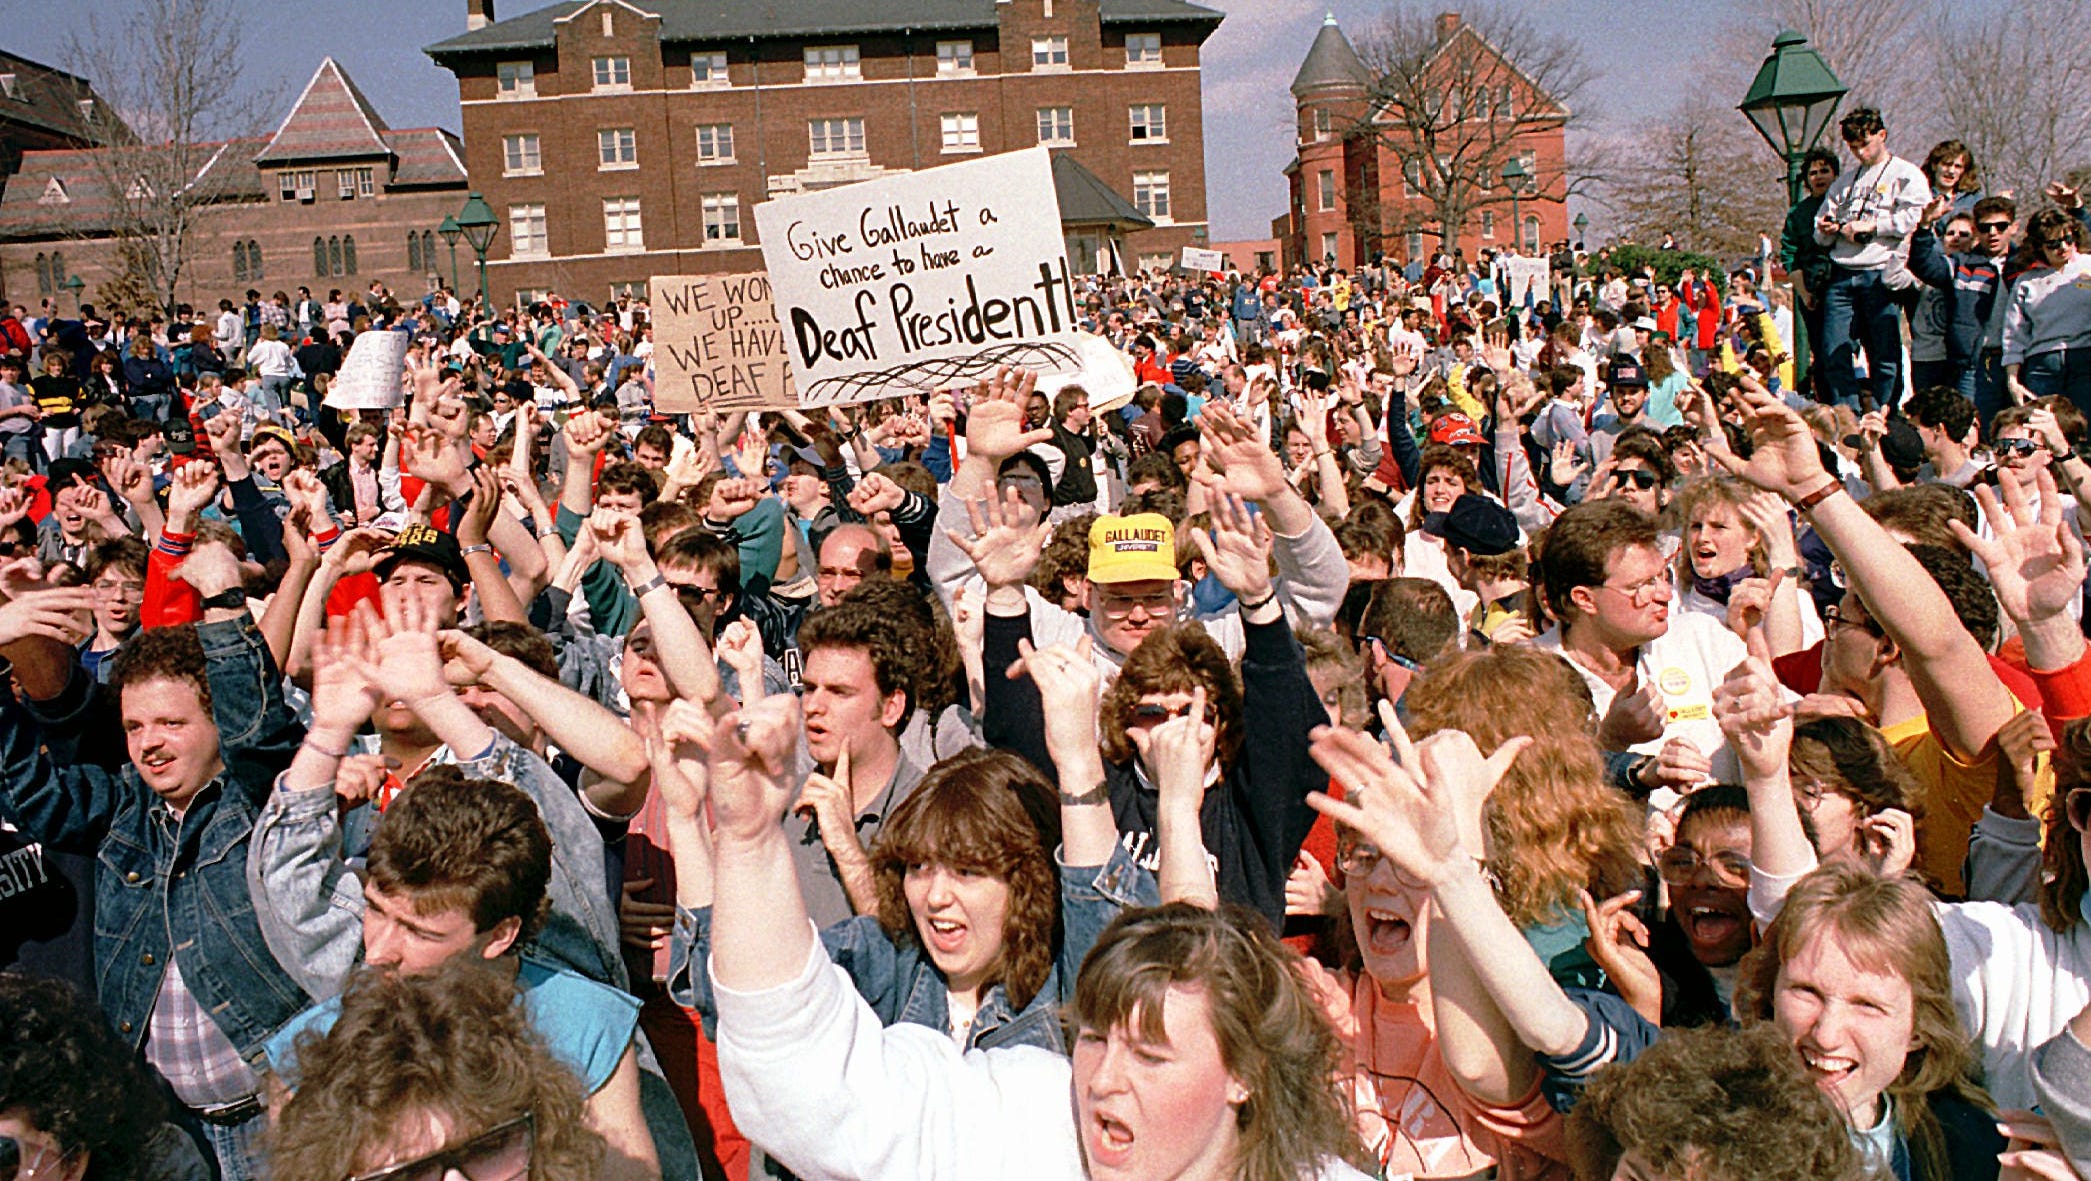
(183, 971)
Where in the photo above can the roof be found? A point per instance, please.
(1087, 200)
(713, 21)
(331, 120)
(86, 181)
(426, 156)
(49, 99)
(1330, 62)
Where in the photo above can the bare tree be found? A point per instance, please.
(1452, 105)
(172, 72)
(1691, 174)
(1878, 48)
(2011, 85)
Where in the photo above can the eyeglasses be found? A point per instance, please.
(2017, 447)
(2055, 243)
(118, 590)
(1644, 592)
(2077, 806)
(501, 1153)
(1639, 477)
(1361, 859)
(1994, 227)
(1161, 603)
(1679, 864)
(1834, 618)
(12, 1165)
(1154, 713)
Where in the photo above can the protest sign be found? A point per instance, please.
(717, 345)
(1196, 259)
(921, 281)
(370, 376)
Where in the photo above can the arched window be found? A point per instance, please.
(413, 251)
(45, 286)
(348, 254)
(334, 256)
(58, 271)
(428, 250)
(239, 262)
(254, 271)
(319, 256)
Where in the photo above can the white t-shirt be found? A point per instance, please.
(1685, 663)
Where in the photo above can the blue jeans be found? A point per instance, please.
(234, 1153)
(1858, 313)
(2063, 371)
(1982, 382)
(22, 445)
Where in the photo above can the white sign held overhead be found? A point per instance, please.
(1199, 259)
(923, 280)
(371, 376)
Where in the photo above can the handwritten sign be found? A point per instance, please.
(1196, 259)
(370, 376)
(921, 281)
(717, 345)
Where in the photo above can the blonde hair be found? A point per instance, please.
(1710, 492)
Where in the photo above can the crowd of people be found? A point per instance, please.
(1417, 733)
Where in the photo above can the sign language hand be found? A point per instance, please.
(751, 758)
(734, 499)
(1179, 754)
(618, 538)
(1245, 464)
(875, 494)
(1752, 710)
(194, 487)
(131, 479)
(1635, 716)
(52, 614)
(1410, 816)
(1007, 539)
(827, 800)
(1784, 459)
(1618, 942)
(587, 433)
(2035, 562)
(1068, 685)
(1237, 549)
(995, 424)
(740, 646)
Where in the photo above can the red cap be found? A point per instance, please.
(1456, 430)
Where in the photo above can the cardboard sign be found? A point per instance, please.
(1196, 259)
(370, 377)
(922, 281)
(717, 345)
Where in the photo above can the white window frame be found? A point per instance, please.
(715, 76)
(1147, 187)
(609, 22)
(366, 182)
(1137, 46)
(1148, 123)
(1488, 224)
(954, 59)
(1049, 54)
(605, 70)
(1325, 191)
(833, 63)
(1331, 243)
(1324, 124)
(515, 80)
(1049, 127)
(822, 136)
(1413, 244)
(961, 132)
(345, 183)
(720, 144)
(532, 239)
(721, 212)
(287, 185)
(7, 87)
(624, 230)
(616, 149)
(522, 154)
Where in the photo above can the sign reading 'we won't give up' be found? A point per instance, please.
(921, 281)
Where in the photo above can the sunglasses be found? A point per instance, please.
(1639, 477)
(501, 1153)
(1149, 713)
(2054, 243)
(2018, 447)
(1994, 227)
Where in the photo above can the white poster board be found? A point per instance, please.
(921, 281)
(1199, 259)
(371, 376)
(717, 345)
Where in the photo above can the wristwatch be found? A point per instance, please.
(229, 598)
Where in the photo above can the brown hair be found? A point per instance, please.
(991, 812)
(1327, 650)
(2063, 876)
(1273, 1036)
(1709, 492)
(1438, 455)
(476, 845)
(1921, 512)
(1850, 757)
(1175, 659)
(1581, 541)
(162, 653)
(453, 1042)
(1885, 926)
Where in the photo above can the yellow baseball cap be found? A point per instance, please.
(1139, 548)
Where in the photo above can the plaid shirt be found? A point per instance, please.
(191, 1052)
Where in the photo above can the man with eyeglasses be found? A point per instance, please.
(1967, 281)
(1865, 215)
(116, 575)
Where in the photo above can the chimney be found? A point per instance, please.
(480, 13)
(1448, 24)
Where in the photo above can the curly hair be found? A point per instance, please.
(1885, 926)
(1066, 556)
(1697, 1104)
(2063, 876)
(928, 638)
(454, 1043)
(1555, 825)
(863, 627)
(63, 1069)
(1175, 659)
(162, 654)
(993, 813)
(476, 845)
(1272, 1032)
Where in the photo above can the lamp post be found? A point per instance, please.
(1790, 102)
(1581, 223)
(75, 285)
(450, 234)
(476, 221)
(1515, 175)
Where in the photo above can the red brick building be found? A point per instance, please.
(334, 198)
(618, 140)
(1362, 183)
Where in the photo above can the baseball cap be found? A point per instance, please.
(1626, 373)
(1138, 548)
(430, 546)
(1456, 430)
(1475, 524)
(1645, 324)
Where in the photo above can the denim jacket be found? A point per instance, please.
(903, 986)
(166, 886)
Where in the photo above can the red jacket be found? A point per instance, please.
(1704, 300)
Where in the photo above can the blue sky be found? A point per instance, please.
(1644, 53)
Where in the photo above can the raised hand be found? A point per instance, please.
(739, 644)
(1413, 822)
(1773, 520)
(751, 761)
(2022, 741)
(1784, 459)
(193, 488)
(827, 799)
(1887, 842)
(733, 499)
(1237, 549)
(618, 538)
(1244, 464)
(1618, 943)
(1008, 539)
(450, 416)
(53, 614)
(2035, 563)
(357, 551)
(307, 495)
(436, 458)
(875, 494)
(404, 656)
(131, 479)
(14, 505)
(1313, 419)
(1752, 711)
(995, 424)
(1068, 685)
(479, 512)
(343, 695)
(587, 433)
(211, 568)
(223, 431)
(88, 500)
(1179, 754)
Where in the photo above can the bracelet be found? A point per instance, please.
(1821, 494)
(481, 548)
(1095, 795)
(317, 749)
(1261, 603)
(649, 586)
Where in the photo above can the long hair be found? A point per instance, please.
(2063, 879)
(1849, 756)
(455, 1043)
(1709, 492)
(1272, 1033)
(1438, 455)
(1555, 825)
(1175, 659)
(1886, 926)
(993, 813)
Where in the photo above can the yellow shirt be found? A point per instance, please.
(1954, 794)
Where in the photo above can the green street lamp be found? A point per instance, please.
(1791, 101)
(476, 221)
(1581, 223)
(450, 234)
(75, 285)
(1515, 174)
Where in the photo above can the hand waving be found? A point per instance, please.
(1007, 540)
(2035, 563)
